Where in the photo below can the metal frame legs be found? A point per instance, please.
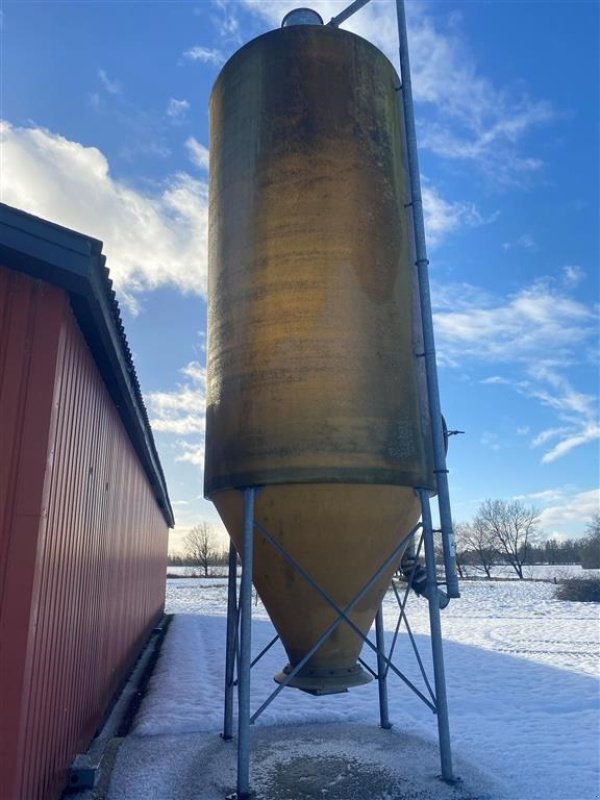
(239, 636)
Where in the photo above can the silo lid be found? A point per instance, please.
(301, 16)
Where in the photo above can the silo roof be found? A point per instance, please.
(74, 262)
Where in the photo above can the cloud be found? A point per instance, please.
(491, 440)
(577, 410)
(181, 412)
(590, 433)
(545, 496)
(225, 20)
(515, 332)
(572, 274)
(197, 152)
(191, 453)
(578, 507)
(112, 87)
(546, 436)
(526, 241)
(206, 55)
(443, 217)
(472, 324)
(177, 110)
(151, 238)
(495, 380)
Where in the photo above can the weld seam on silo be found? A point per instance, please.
(437, 651)
(422, 262)
(342, 617)
(243, 775)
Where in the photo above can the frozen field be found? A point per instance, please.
(522, 677)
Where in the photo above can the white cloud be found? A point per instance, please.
(225, 21)
(525, 241)
(181, 412)
(443, 217)
(206, 55)
(545, 496)
(191, 453)
(491, 440)
(546, 436)
(590, 433)
(495, 380)
(573, 274)
(198, 153)
(151, 239)
(578, 507)
(177, 110)
(471, 324)
(111, 86)
(516, 332)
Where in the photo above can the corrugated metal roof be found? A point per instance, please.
(74, 262)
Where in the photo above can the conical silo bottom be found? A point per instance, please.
(340, 534)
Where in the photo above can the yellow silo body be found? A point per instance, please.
(312, 379)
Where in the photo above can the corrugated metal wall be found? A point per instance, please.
(82, 541)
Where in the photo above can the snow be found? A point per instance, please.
(522, 678)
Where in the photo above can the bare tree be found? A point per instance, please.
(512, 527)
(592, 528)
(590, 545)
(199, 546)
(477, 544)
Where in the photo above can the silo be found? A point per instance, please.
(313, 393)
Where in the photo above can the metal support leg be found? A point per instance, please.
(436, 641)
(384, 716)
(230, 647)
(243, 773)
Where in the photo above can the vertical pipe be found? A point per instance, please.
(439, 448)
(230, 647)
(243, 776)
(384, 716)
(436, 642)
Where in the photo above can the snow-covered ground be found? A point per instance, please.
(522, 678)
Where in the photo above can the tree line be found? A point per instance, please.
(501, 533)
(509, 533)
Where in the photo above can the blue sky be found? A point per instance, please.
(105, 130)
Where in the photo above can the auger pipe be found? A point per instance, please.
(433, 392)
(347, 12)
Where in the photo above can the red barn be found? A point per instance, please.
(84, 509)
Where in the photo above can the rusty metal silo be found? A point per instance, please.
(312, 384)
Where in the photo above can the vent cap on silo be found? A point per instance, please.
(301, 16)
